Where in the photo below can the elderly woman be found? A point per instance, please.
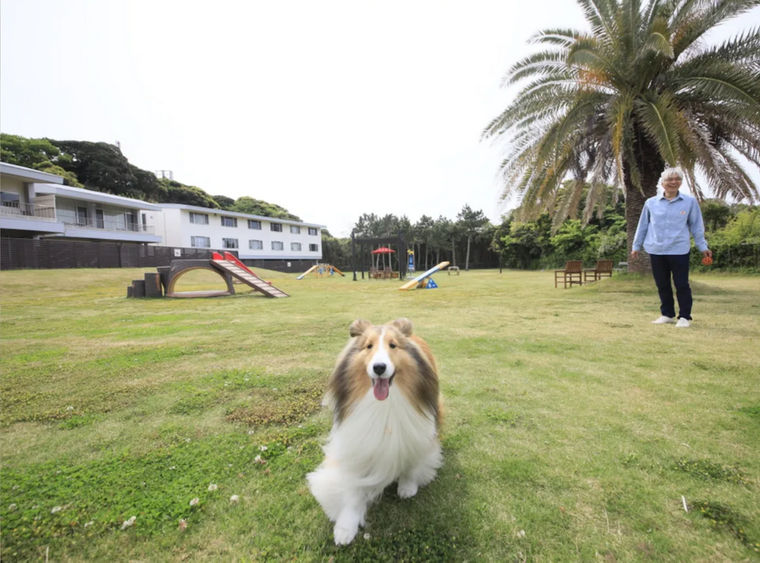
(666, 224)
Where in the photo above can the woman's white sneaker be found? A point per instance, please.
(683, 323)
(663, 320)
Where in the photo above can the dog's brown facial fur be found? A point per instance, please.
(416, 375)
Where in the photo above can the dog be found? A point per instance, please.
(386, 416)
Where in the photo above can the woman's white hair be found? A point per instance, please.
(670, 172)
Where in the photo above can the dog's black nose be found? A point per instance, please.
(379, 368)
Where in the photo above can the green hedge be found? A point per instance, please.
(728, 256)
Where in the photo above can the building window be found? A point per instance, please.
(131, 218)
(229, 221)
(277, 245)
(313, 248)
(253, 224)
(82, 216)
(100, 222)
(256, 244)
(198, 218)
(295, 230)
(313, 231)
(295, 246)
(229, 243)
(276, 227)
(200, 242)
(10, 199)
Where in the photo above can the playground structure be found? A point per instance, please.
(321, 270)
(382, 265)
(424, 280)
(367, 254)
(228, 267)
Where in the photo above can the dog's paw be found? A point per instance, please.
(407, 489)
(344, 535)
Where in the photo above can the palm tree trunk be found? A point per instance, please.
(650, 166)
(467, 258)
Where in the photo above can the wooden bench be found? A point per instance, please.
(603, 269)
(571, 274)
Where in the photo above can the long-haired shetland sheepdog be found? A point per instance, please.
(386, 403)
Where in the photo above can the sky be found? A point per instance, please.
(329, 108)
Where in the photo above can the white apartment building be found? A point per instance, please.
(252, 237)
(36, 204)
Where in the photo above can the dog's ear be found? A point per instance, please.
(358, 327)
(404, 325)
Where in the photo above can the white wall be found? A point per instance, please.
(174, 225)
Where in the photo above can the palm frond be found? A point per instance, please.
(655, 114)
(639, 90)
(693, 19)
(618, 117)
(659, 43)
(598, 14)
(742, 49)
(545, 63)
(559, 37)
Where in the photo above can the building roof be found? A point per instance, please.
(97, 197)
(29, 174)
(198, 209)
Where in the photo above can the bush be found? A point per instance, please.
(729, 256)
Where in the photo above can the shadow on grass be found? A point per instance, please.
(432, 526)
(643, 284)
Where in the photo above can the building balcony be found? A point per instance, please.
(19, 210)
(113, 229)
(110, 224)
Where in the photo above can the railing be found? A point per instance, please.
(106, 224)
(30, 210)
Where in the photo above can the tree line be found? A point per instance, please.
(471, 240)
(102, 167)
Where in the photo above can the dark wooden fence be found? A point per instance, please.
(49, 253)
(17, 254)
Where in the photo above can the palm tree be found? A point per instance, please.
(639, 92)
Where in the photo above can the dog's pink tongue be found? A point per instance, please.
(382, 387)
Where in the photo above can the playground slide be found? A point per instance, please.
(232, 258)
(413, 283)
(302, 276)
(245, 275)
(320, 270)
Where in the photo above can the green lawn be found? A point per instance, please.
(574, 429)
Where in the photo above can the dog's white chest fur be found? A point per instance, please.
(381, 440)
(378, 443)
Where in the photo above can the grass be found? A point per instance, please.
(574, 429)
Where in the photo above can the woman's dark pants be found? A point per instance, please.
(676, 265)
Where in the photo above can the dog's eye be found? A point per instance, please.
(392, 344)
(369, 346)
